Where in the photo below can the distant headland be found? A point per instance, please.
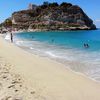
(50, 16)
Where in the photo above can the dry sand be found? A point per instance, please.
(24, 76)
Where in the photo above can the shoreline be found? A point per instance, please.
(54, 80)
(45, 30)
(59, 62)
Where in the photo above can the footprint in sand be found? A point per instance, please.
(1, 86)
(11, 98)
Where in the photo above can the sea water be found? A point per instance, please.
(65, 47)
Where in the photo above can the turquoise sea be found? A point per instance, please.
(65, 47)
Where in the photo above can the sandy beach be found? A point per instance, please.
(24, 76)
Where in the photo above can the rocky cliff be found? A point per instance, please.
(52, 16)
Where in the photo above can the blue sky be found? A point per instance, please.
(91, 7)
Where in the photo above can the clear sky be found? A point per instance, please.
(91, 7)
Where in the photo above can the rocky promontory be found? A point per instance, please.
(51, 16)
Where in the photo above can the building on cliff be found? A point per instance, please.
(13, 20)
(31, 6)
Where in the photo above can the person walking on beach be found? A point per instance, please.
(11, 37)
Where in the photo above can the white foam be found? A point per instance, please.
(7, 37)
(80, 61)
(19, 42)
(51, 54)
(31, 48)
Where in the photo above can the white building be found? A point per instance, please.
(13, 21)
(31, 6)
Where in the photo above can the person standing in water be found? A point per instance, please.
(52, 40)
(86, 45)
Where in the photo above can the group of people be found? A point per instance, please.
(86, 45)
(11, 39)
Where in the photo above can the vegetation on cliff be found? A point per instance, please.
(51, 16)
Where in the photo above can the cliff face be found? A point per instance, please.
(53, 17)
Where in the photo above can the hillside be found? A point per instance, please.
(52, 16)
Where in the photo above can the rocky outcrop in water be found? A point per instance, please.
(51, 16)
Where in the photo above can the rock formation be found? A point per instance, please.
(51, 16)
